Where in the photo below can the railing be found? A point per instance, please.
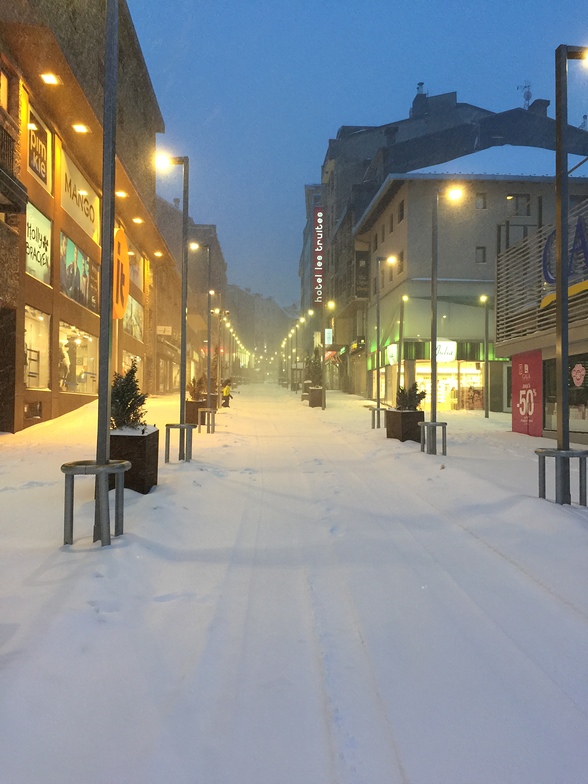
(6, 151)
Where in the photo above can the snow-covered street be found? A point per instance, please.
(307, 602)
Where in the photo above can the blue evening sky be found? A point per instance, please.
(252, 91)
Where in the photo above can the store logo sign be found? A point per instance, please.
(446, 351)
(577, 263)
(122, 279)
(38, 245)
(39, 150)
(79, 199)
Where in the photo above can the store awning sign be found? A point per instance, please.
(446, 351)
(79, 199)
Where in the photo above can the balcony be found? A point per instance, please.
(13, 194)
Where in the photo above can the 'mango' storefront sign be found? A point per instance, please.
(79, 199)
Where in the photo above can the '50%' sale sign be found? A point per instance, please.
(527, 393)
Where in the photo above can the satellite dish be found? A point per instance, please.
(527, 94)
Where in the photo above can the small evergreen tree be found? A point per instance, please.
(126, 400)
(197, 389)
(409, 399)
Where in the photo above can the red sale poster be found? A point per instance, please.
(527, 393)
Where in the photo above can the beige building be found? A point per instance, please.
(51, 60)
(492, 213)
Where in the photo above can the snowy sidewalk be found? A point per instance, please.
(307, 602)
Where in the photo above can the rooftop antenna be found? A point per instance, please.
(527, 94)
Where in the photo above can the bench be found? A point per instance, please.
(561, 455)
(429, 436)
(102, 516)
(208, 419)
(185, 429)
(376, 414)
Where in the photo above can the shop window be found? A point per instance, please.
(518, 204)
(33, 409)
(78, 360)
(401, 211)
(136, 267)
(38, 245)
(3, 91)
(79, 275)
(36, 348)
(133, 319)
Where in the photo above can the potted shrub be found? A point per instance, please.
(131, 438)
(402, 421)
(315, 372)
(197, 392)
(306, 383)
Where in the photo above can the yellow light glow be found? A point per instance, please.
(483, 298)
(82, 192)
(331, 305)
(121, 194)
(162, 161)
(194, 246)
(138, 220)
(50, 78)
(311, 312)
(32, 127)
(455, 193)
(158, 253)
(391, 260)
(405, 297)
(80, 128)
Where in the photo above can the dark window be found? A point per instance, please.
(518, 204)
(401, 211)
(391, 225)
(481, 201)
(375, 245)
(481, 254)
(400, 263)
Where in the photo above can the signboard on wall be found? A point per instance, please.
(79, 275)
(39, 150)
(362, 266)
(121, 277)
(38, 245)
(527, 393)
(318, 257)
(79, 199)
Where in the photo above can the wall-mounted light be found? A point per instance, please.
(80, 128)
(51, 78)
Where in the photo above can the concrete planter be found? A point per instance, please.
(142, 450)
(403, 425)
(315, 397)
(192, 408)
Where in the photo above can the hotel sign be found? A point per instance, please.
(318, 257)
(79, 199)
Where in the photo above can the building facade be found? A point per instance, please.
(525, 327)
(471, 232)
(51, 61)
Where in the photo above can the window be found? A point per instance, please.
(3, 91)
(133, 319)
(78, 360)
(38, 245)
(400, 263)
(481, 254)
(390, 272)
(481, 201)
(36, 348)
(79, 275)
(391, 224)
(375, 243)
(518, 204)
(382, 234)
(401, 211)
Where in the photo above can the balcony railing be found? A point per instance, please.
(6, 151)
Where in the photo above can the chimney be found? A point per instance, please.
(539, 106)
(420, 103)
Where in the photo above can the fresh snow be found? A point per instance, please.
(306, 602)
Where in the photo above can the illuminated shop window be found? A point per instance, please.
(133, 319)
(136, 267)
(36, 348)
(78, 360)
(79, 275)
(38, 248)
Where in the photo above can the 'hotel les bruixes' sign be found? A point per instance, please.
(318, 256)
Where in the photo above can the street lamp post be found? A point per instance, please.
(563, 53)
(485, 300)
(208, 323)
(379, 260)
(403, 300)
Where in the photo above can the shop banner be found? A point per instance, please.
(79, 275)
(79, 199)
(38, 245)
(527, 393)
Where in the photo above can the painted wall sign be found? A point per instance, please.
(40, 144)
(577, 263)
(527, 393)
(318, 257)
(38, 245)
(121, 275)
(79, 199)
(392, 353)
